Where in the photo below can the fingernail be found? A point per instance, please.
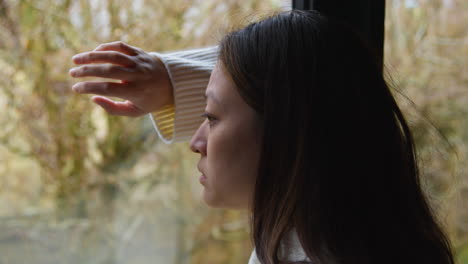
(75, 88)
(76, 58)
(72, 72)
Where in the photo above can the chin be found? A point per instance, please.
(211, 200)
(214, 201)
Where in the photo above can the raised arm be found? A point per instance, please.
(189, 72)
(169, 87)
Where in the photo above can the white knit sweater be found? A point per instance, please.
(189, 72)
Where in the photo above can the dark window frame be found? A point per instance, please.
(366, 16)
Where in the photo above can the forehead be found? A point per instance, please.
(221, 86)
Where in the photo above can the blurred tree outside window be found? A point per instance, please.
(80, 186)
(426, 52)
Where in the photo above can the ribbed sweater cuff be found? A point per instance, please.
(189, 72)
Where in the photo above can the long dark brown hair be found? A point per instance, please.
(338, 162)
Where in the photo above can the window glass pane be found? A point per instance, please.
(426, 51)
(80, 186)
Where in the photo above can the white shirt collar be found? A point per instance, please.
(290, 250)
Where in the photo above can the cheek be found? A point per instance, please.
(233, 157)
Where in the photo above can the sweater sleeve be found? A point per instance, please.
(189, 72)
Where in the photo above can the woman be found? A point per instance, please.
(302, 130)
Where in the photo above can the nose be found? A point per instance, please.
(198, 142)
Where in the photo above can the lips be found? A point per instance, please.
(199, 169)
(202, 178)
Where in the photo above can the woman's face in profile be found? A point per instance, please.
(228, 142)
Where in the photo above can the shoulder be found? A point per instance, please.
(290, 250)
(253, 258)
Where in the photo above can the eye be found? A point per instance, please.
(211, 119)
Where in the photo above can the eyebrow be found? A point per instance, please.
(209, 94)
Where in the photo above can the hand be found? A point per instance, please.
(144, 82)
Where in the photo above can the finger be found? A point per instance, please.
(121, 90)
(105, 71)
(103, 57)
(118, 46)
(126, 108)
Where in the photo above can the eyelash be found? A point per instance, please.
(209, 117)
